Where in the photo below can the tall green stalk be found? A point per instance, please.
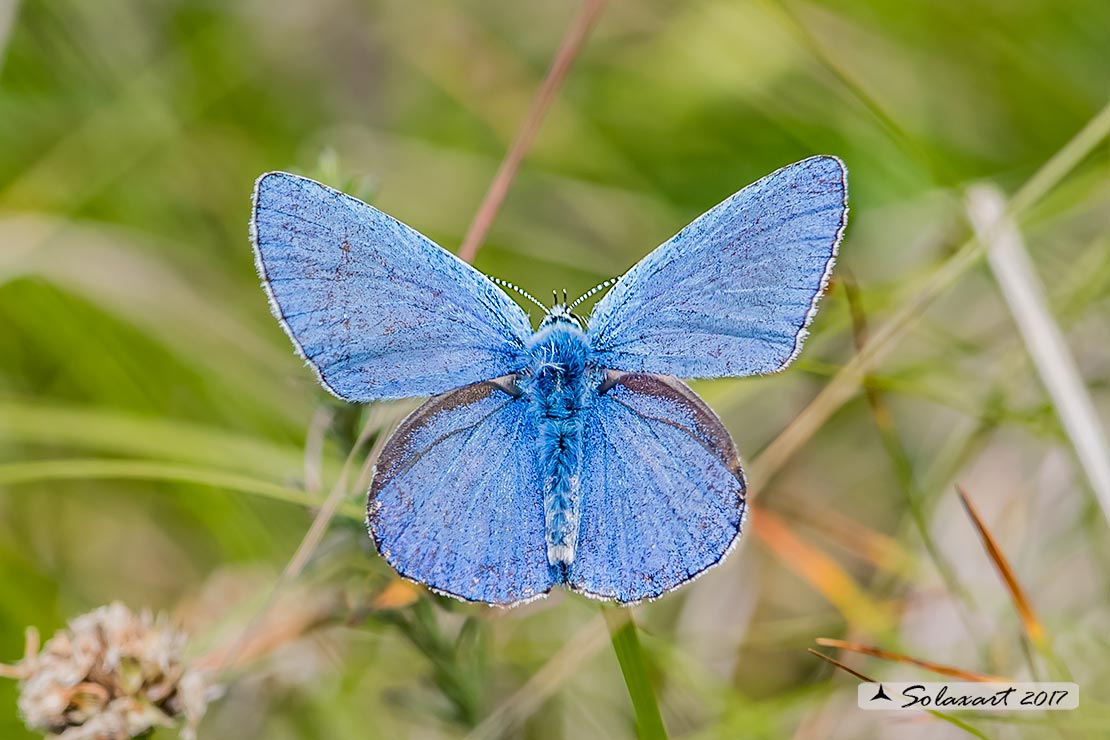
(626, 644)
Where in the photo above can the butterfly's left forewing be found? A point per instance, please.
(455, 498)
(662, 492)
(377, 309)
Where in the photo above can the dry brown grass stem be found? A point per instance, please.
(938, 668)
(841, 666)
(569, 48)
(1033, 627)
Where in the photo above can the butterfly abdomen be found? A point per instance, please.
(559, 382)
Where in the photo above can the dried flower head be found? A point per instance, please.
(111, 675)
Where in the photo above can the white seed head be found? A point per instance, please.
(111, 674)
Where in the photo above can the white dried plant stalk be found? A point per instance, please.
(1024, 295)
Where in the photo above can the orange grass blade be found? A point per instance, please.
(1032, 625)
(878, 549)
(900, 658)
(821, 572)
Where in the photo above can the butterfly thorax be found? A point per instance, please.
(560, 381)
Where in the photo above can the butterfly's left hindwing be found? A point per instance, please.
(378, 310)
(661, 489)
(455, 502)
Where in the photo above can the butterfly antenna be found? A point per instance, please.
(522, 291)
(591, 292)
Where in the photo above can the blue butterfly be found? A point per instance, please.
(570, 455)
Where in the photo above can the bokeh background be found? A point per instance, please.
(161, 445)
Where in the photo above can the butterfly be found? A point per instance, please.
(571, 454)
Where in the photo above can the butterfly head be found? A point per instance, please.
(560, 313)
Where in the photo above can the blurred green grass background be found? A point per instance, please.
(139, 364)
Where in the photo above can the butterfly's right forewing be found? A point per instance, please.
(733, 292)
(455, 502)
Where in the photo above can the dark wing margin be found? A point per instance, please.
(455, 504)
(663, 493)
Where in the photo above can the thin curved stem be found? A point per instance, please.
(571, 44)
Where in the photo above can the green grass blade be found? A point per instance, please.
(626, 644)
(105, 431)
(88, 469)
(956, 721)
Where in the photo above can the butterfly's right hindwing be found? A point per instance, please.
(455, 502)
(663, 495)
(378, 310)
